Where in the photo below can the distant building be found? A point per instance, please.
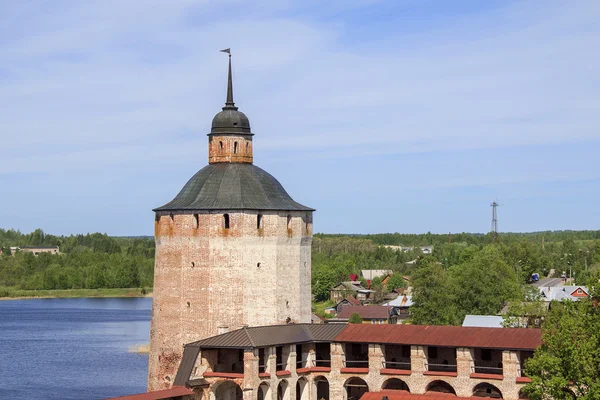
(370, 274)
(560, 293)
(369, 314)
(352, 288)
(36, 250)
(401, 306)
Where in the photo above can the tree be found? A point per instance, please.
(567, 364)
(355, 319)
(6, 251)
(395, 281)
(323, 281)
(433, 297)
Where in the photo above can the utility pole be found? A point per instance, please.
(494, 205)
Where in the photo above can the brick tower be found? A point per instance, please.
(232, 249)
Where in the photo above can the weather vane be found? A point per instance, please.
(228, 51)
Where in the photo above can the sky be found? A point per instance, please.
(386, 116)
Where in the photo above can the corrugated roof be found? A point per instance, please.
(445, 336)
(233, 186)
(404, 395)
(483, 321)
(368, 312)
(401, 301)
(262, 336)
(175, 391)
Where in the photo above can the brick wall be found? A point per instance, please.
(208, 278)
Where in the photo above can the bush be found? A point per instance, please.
(355, 319)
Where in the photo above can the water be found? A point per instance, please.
(73, 348)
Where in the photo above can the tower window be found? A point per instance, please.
(247, 147)
(220, 147)
(259, 221)
(226, 221)
(196, 221)
(234, 147)
(289, 221)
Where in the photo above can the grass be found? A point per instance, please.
(8, 293)
(319, 308)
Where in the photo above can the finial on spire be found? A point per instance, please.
(229, 104)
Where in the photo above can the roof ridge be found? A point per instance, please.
(245, 328)
(310, 336)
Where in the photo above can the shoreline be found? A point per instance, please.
(77, 293)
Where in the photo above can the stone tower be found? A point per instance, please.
(232, 249)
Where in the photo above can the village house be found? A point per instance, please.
(351, 362)
(401, 306)
(352, 288)
(369, 314)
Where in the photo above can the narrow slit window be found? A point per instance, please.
(196, 221)
(226, 221)
(259, 221)
(289, 222)
(220, 147)
(247, 147)
(235, 148)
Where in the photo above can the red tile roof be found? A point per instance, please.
(404, 395)
(444, 336)
(365, 312)
(175, 391)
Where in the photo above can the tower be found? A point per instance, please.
(494, 206)
(233, 249)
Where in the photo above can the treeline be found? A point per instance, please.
(425, 239)
(89, 261)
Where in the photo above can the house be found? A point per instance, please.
(483, 321)
(370, 274)
(560, 293)
(348, 301)
(353, 288)
(339, 361)
(401, 306)
(369, 314)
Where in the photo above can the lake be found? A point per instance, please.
(73, 348)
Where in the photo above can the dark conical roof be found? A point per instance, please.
(233, 186)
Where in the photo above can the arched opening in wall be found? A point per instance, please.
(235, 145)
(172, 217)
(307, 223)
(355, 388)
(156, 217)
(487, 390)
(227, 390)
(302, 389)
(440, 387)
(321, 388)
(283, 392)
(289, 222)
(196, 221)
(226, 221)
(247, 148)
(395, 384)
(264, 392)
(259, 221)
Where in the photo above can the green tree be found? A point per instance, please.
(433, 297)
(323, 281)
(395, 281)
(6, 251)
(355, 319)
(567, 364)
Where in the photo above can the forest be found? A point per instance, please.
(443, 282)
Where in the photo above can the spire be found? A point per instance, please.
(229, 104)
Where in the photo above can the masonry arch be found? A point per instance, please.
(302, 389)
(485, 389)
(283, 390)
(354, 388)
(263, 392)
(440, 387)
(320, 388)
(226, 390)
(395, 384)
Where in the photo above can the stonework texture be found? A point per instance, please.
(209, 279)
(230, 148)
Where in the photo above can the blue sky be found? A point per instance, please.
(386, 116)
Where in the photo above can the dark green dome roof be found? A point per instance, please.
(233, 186)
(230, 120)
